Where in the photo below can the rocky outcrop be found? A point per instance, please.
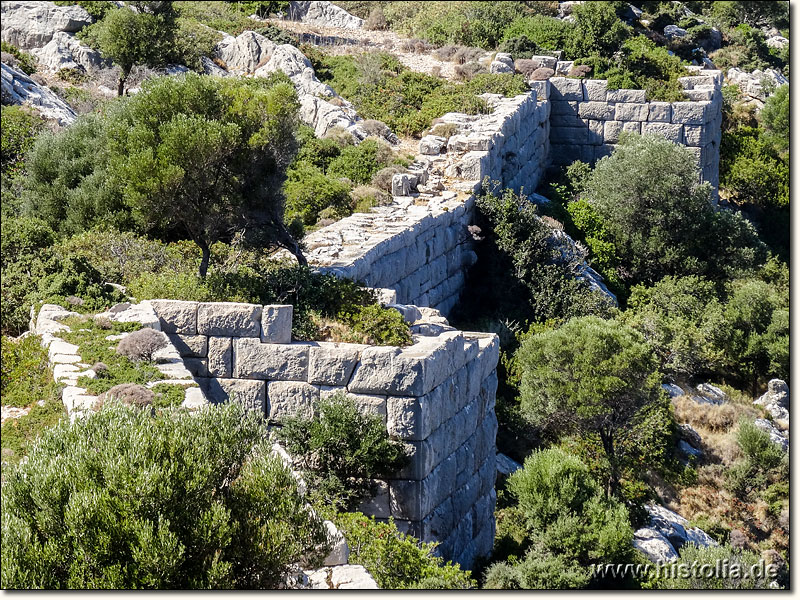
(18, 88)
(244, 53)
(30, 25)
(325, 14)
(66, 52)
(756, 86)
(774, 434)
(666, 534)
(776, 400)
(709, 394)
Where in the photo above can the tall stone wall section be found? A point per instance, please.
(587, 119)
(436, 395)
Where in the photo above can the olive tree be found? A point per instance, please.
(140, 33)
(590, 376)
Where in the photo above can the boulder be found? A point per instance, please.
(777, 41)
(63, 51)
(325, 14)
(752, 84)
(18, 88)
(212, 68)
(29, 25)
(342, 577)
(710, 394)
(689, 434)
(500, 67)
(673, 391)
(676, 529)
(245, 52)
(654, 545)
(773, 432)
(506, 465)
(432, 144)
(673, 31)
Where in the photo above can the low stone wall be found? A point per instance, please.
(437, 395)
(587, 118)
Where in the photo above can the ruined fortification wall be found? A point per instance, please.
(437, 395)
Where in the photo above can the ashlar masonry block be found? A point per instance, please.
(176, 316)
(229, 319)
(254, 360)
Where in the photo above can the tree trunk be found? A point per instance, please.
(286, 240)
(607, 438)
(121, 86)
(205, 260)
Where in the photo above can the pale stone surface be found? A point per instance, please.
(672, 132)
(688, 113)
(387, 370)
(63, 51)
(254, 360)
(193, 346)
(323, 13)
(229, 319)
(654, 546)
(18, 88)
(250, 394)
(333, 363)
(343, 577)
(276, 323)
(29, 25)
(625, 96)
(243, 53)
(774, 435)
(291, 399)
(340, 552)
(176, 316)
(220, 357)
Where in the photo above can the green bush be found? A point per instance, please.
(309, 191)
(598, 30)
(19, 131)
(751, 170)
(775, 117)
(538, 570)
(360, 163)
(661, 221)
(126, 499)
(342, 450)
(544, 32)
(693, 560)
(384, 327)
(27, 62)
(395, 560)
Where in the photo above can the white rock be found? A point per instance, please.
(710, 394)
(323, 13)
(654, 545)
(33, 24)
(343, 577)
(674, 391)
(18, 88)
(673, 31)
(244, 53)
(773, 432)
(676, 529)
(340, 552)
(66, 52)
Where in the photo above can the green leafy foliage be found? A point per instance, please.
(590, 376)
(19, 130)
(96, 9)
(520, 254)
(740, 566)
(341, 450)
(546, 33)
(598, 30)
(25, 61)
(141, 500)
(568, 524)
(661, 221)
(396, 560)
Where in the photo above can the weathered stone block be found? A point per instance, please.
(250, 394)
(378, 503)
(672, 132)
(192, 346)
(290, 399)
(220, 356)
(567, 120)
(276, 323)
(563, 107)
(386, 370)
(627, 111)
(696, 135)
(611, 131)
(596, 89)
(596, 110)
(432, 145)
(229, 319)
(333, 363)
(562, 88)
(596, 131)
(569, 135)
(176, 316)
(403, 416)
(660, 112)
(637, 96)
(688, 113)
(198, 367)
(564, 154)
(254, 360)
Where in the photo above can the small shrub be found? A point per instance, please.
(541, 74)
(131, 394)
(75, 76)
(376, 20)
(141, 345)
(342, 450)
(445, 130)
(383, 178)
(469, 70)
(382, 326)
(375, 128)
(26, 62)
(395, 560)
(579, 71)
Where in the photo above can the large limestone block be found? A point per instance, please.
(324, 14)
(333, 363)
(229, 319)
(291, 399)
(596, 89)
(630, 111)
(569, 135)
(245, 52)
(688, 113)
(697, 135)
(276, 323)
(341, 577)
(596, 110)
(563, 107)
(387, 370)
(33, 24)
(562, 88)
(220, 356)
(192, 346)
(672, 132)
(626, 96)
(254, 360)
(176, 316)
(250, 394)
(66, 52)
(660, 112)
(18, 88)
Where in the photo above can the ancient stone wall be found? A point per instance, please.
(587, 118)
(437, 395)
